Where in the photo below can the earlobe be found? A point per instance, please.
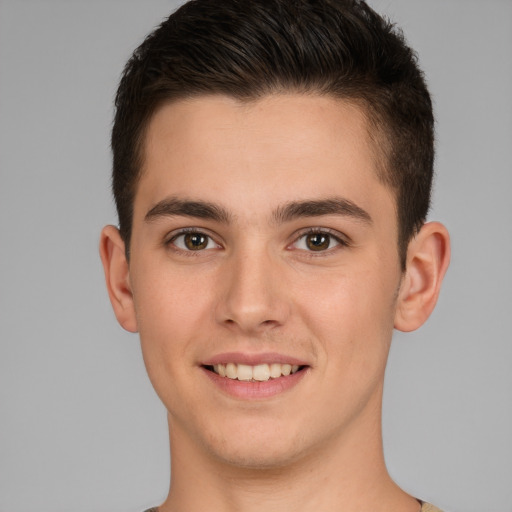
(428, 257)
(117, 277)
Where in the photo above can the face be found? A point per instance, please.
(264, 247)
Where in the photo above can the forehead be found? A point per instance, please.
(278, 118)
(282, 147)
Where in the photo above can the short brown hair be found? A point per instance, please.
(250, 48)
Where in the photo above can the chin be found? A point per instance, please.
(256, 460)
(256, 448)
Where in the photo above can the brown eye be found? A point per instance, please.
(193, 241)
(318, 241)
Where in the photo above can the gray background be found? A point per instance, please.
(80, 427)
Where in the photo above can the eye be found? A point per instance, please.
(317, 241)
(193, 241)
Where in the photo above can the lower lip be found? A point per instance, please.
(249, 390)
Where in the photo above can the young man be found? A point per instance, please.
(272, 171)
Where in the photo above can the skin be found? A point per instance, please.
(256, 286)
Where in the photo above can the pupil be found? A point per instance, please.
(195, 241)
(318, 242)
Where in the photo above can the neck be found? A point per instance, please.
(346, 473)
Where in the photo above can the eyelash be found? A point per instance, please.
(340, 240)
(170, 243)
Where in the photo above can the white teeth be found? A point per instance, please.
(260, 372)
(275, 370)
(231, 371)
(286, 369)
(244, 372)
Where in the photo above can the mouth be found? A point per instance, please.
(254, 373)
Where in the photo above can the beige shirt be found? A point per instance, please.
(425, 507)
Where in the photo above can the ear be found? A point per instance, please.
(428, 257)
(117, 277)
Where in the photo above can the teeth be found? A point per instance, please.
(275, 370)
(286, 369)
(244, 372)
(231, 371)
(260, 372)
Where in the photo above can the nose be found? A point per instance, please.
(253, 298)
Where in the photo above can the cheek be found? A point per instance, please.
(169, 306)
(351, 313)
(168, 300)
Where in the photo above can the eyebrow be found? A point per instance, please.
(315, 208)
(173, 207)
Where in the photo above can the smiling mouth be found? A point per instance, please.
(257, 373)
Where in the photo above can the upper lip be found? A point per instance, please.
(253, 359)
